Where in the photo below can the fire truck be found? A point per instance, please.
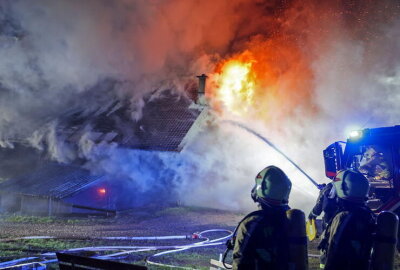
(374, 152)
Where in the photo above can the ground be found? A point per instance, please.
(80, 232)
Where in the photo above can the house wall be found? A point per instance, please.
(36, 205)
(10, 202)
(33, 205)
(119, 195)
(27, 204)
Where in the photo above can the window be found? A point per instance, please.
(375, 162)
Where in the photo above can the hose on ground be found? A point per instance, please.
(123, 250)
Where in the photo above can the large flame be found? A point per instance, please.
(269, 80)
(236, 82)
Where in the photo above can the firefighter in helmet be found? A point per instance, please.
(347, 240)
(374, 164)
(261, 240)
(326, 203)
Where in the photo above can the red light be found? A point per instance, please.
(102, 191)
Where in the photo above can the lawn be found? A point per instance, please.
(67, 233)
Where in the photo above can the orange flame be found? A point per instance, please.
(270, 80)
(236, 82)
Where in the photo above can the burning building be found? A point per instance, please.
(168, 120)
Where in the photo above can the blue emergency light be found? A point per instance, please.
(356, 134)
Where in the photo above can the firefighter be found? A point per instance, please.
(347, 240)
(326, 203)
(261, 240)
(374, 164)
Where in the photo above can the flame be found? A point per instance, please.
(270, 80)
(236, 82)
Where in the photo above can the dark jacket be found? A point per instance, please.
(325, 203)
(261, 240)
(347, 241)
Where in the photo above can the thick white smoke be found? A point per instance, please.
(60, 57)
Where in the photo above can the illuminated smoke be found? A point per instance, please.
(321, 68)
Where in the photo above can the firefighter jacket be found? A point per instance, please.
(326, 203)
(261, 240)
(347, 241)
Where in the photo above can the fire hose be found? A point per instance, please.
(258, 135)
(124, 250)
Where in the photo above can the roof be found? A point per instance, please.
(195, 128)
(164, 121)
(164, 125)
(51, 179)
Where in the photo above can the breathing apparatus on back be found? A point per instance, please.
(272, 187)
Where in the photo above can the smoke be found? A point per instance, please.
(324, 68)
(53, 52)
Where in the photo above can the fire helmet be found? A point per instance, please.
(272, 186)
(351, 186)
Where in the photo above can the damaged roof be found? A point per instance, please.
(166, 121)
(53, 180)
(160, 125)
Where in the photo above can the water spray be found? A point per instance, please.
(258, 135)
